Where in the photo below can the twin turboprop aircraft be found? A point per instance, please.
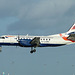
(39, 41)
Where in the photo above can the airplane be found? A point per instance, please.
(39, 41)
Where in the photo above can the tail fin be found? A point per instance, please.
(70, 35)
(72, 28)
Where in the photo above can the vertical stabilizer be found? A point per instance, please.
(72, 28)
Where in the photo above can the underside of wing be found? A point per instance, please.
(35, 42)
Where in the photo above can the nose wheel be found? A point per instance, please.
(32, 50)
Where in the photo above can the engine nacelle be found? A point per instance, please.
(25, 42)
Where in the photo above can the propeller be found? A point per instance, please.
(18, 38)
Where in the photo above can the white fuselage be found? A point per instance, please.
(45, 41)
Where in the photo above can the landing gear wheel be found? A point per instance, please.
(31, 51)
(34, 50)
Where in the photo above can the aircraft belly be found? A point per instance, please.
(9, 44)
(51, 45)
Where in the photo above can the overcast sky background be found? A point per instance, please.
(37, 17)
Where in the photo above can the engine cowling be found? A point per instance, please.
(25, 42)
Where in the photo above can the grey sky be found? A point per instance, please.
(37, 17)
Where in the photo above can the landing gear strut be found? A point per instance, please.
(32, 50)
(0, 49)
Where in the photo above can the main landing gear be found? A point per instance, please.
(32, 50)
(0, 49)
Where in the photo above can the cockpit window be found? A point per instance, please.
(2, 37)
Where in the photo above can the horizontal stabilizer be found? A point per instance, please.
(71, 37)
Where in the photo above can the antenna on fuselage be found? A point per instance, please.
(18, 38)
(27, 35)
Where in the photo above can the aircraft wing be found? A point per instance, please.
(35, 42)
(71, 37)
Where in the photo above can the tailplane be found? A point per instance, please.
(71, 33)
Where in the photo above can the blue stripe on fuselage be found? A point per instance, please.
(9, 44)
(51, 45)
(41, 45)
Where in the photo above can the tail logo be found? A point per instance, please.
(72, 28)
